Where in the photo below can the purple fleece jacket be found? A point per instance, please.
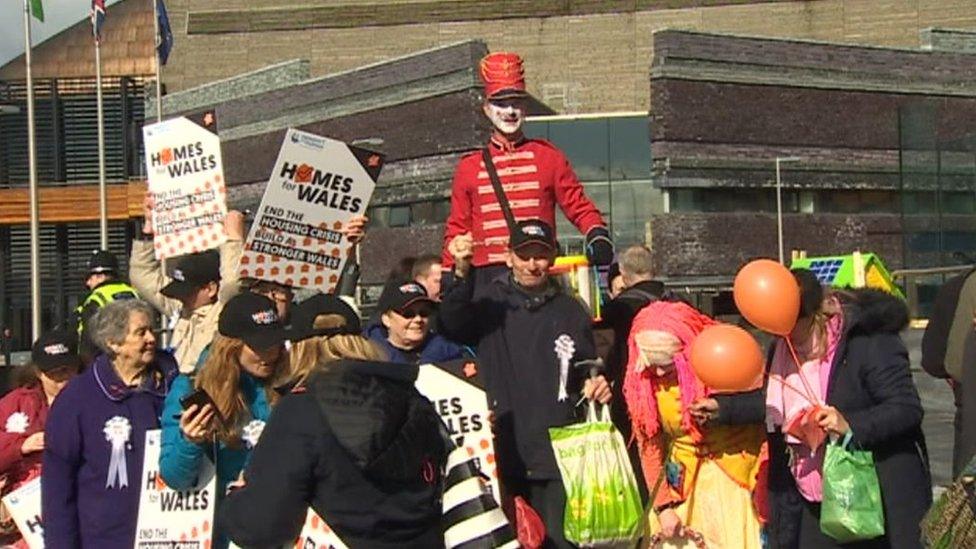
(77, 508)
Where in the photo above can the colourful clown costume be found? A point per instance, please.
(711, 475)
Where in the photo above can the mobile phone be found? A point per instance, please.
(198, 397)
(201, 398)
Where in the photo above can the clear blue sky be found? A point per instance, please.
(58, 15)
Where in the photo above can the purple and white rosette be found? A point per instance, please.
(565, 348)
(117, 431)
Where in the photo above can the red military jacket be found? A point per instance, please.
(23, 412)
(535, 176)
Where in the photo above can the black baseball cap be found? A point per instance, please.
(54, 350)
(532, 231)
(252, 318)
(102, 262)
(192, 271)
(398, 295)
(303, 317)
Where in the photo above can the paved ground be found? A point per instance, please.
(939, 410)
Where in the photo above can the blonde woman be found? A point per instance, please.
(244, 363)
(354, 441)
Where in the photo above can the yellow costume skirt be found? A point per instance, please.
(721, 511)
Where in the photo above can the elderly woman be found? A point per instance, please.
(354, 441)
(403, 328)
(96, 433)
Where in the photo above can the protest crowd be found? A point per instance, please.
(678, 432)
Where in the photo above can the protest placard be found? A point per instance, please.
(24, 506)
(186, 180)
(316, 186)
(456, 393)
(316, 534)
(174, 519)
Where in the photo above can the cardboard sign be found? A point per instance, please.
(455, 390)
(316, 534)
(317, 185)
(24, 505)
(174, 518)
(186, 179)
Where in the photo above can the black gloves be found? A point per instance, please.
(599, 247)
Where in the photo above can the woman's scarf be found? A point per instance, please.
(791, 411)
(685, 323)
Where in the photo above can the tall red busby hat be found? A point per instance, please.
(503, 75)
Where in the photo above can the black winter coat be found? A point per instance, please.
(358, 444)
(871, 385)
(515, 333)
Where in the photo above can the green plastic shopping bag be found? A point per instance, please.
(851, 509)
(603, 507)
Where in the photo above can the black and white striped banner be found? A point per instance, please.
(472, 517)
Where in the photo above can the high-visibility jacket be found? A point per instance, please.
(101, 295)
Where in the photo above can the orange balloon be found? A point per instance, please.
(768, 296)
(727, 358)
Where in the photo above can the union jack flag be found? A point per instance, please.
(97, 18)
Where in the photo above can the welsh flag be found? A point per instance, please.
(37, 10)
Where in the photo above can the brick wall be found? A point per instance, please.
(578, 63)
(718, 244)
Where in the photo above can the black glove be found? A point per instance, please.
(599, 247)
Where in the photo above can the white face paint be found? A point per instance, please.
(506, 115)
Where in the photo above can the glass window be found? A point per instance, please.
(379, 216)
(630, 148)
(399, 216)
(958, 202)
(732, 200)
(838, 201)
(682, 200)
(633, 204)
(422, 213)
(585, 143)
(919, 202)
(442, 209)
(536, 130)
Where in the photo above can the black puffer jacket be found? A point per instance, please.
(359, 445)
(871, 385)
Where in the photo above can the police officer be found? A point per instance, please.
(104, 287)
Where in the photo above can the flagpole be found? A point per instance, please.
(35, 228)
(102, 192)
(159, 86)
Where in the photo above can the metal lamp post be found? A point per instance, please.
(779, 203)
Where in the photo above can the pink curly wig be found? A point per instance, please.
(685, 323)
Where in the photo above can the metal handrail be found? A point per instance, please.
(931, 271)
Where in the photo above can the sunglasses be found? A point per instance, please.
(411, 312)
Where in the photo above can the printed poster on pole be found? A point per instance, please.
(174, 518)
(186, 181)
(316, 186)
(456, 391)
(24, 506)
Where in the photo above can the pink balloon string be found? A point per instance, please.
(813, 398)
